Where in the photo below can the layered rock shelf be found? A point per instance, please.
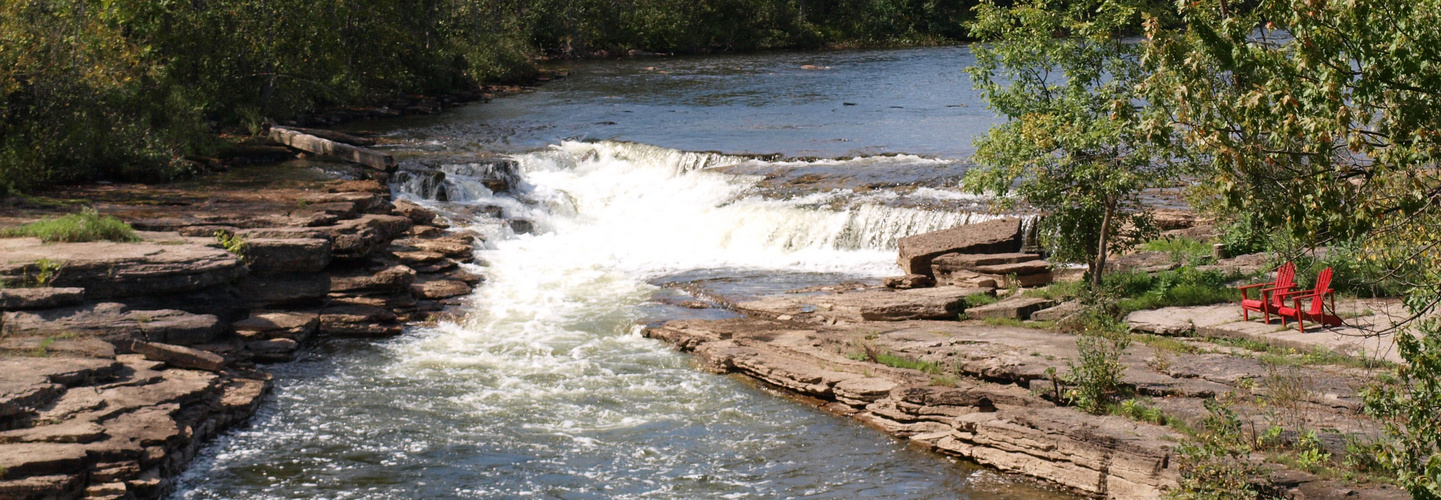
(121, 358)
(914, 361)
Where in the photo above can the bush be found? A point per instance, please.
(1407, 407)
(1097, 376)
(88, 225)
(1215, 465)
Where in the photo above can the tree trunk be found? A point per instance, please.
(1100, 260)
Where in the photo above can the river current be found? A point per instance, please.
(546, 388)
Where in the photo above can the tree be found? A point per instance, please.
(1324, 120)
(1073, 146)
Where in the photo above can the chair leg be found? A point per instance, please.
(1245, 314)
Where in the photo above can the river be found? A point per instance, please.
(546, 388)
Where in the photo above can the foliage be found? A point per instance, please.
(1186, 286)
(128, 90)
(1214, 465)
(233, 243)
(980, 299)
(1136, 409)
(87, 225)
(1125, 292)
(1408, 410)
(895, 361)
(1072, 146)
(1096, 375)
(1183, 250)
(1354, 272)
(1316, 119)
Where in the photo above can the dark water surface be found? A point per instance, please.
(914, 101)
(546, 389)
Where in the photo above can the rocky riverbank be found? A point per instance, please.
(119, 359)
(988, 388)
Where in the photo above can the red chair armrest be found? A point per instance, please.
(1285, 294)
(1248, 287)
(1274, 288)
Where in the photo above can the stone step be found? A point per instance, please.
(1012, 308)
(1017, 268)
(108, 270)
(112, 320)
(996, 236)
(970, 261)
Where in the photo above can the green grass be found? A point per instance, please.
(1165, 343)
(1186, 250)
(980, 299)
(87, 225)
(894, 361)
(1137, 290)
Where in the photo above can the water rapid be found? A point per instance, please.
(546, 388)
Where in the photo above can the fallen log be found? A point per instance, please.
(326, 147)
(335, 136)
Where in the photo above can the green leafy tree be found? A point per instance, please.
(1073, 145)
(1320, 120)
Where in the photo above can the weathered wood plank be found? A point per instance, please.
(326, 147)
(335, 136)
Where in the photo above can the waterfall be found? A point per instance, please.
(656, 208)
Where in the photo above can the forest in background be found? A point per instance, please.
(126, 89)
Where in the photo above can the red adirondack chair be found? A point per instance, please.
(1316, 310)
(1268, 300)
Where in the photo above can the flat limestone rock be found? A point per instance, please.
(996, 236)
(12, 299)
(280, 290)
(52, 486)
(909, 281)
(1176, 321)
(1148, 262)
(1017, 268)
(396, 278)
(363, 236)
(869, 305)
(109, 269)
(113, 320)
(88, 347)
(440, 289)
(41, 459)
(268, 325)
(970, 261)
(275, 255)
(1058, 312)
(962, 277)
(73, 431)
(179, 356)
(1019, 308)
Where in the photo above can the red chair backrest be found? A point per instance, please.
(1285, 278)
(1323, 286)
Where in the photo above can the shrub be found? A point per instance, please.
(1096, 377)
(88, 225)
(1214, 465)
(1407, 407)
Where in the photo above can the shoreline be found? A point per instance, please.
(131, 356)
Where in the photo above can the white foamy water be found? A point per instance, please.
(546, 389)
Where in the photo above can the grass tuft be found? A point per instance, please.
(87, 225)
(894, 361)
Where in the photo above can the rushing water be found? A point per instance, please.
(546, 389)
